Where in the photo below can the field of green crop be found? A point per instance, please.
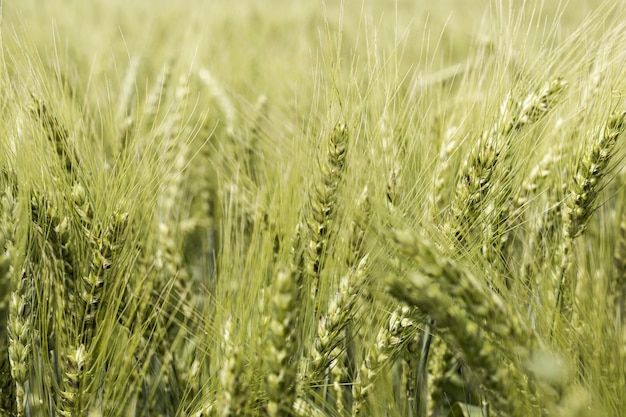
(312, 208)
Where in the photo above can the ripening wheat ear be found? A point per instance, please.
(483, 304)
(580, 204)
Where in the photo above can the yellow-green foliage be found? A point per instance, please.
(312, 208)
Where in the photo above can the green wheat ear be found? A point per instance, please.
(581, 202)
(8, 400)
(280, 379)
(170, 161)
(322, 205)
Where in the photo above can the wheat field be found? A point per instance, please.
(313, 209)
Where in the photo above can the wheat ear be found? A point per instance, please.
(580, 204)
(476, 177)
(126, 120)
(473, 318)
(280, 380)
(234, 389)
(57, 135)
(390, 342)
(327, 346)
(322, 205)
(7, 271)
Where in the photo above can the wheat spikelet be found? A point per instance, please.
(304, 409)
(53, 259)
(7, 272)
(72, 402)
(589, 172)
(340, 380)
(74, 396)
(392, 158)
(535, 178)
(168, 298)
(169, 269)
(53, 229)
(483, 304)
(513, 211)
(358, 227)
(534, 106)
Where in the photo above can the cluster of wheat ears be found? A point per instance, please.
(388, 226)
